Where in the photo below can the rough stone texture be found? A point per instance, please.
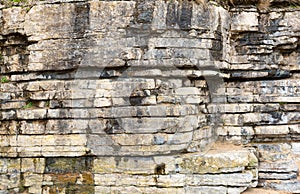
(264, 59)
(136, 96)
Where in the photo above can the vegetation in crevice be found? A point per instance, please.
(10, 3)
(4, 79)
(28, 105)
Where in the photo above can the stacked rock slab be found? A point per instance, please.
(262, 109)
(136, 96)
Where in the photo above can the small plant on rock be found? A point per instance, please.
(4, 79)
(28, 105)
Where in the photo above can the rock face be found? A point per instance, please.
(148, 96)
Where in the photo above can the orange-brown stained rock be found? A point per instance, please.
(69, 178)
(88, 178)
(75, 189)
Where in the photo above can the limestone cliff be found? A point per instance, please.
(149, 96)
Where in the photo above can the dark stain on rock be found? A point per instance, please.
(186, 13)
(276, 116)
(113, 127)
(160, 169)
(136, 100)
(217, 44)
(215, 82)
(81, 23)
(144, 11)
(137, 96)
(180, 14)
(171, 19)
(217, 50)
(81, 18)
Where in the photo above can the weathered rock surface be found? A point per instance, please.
(162, 174)
(131, 96)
